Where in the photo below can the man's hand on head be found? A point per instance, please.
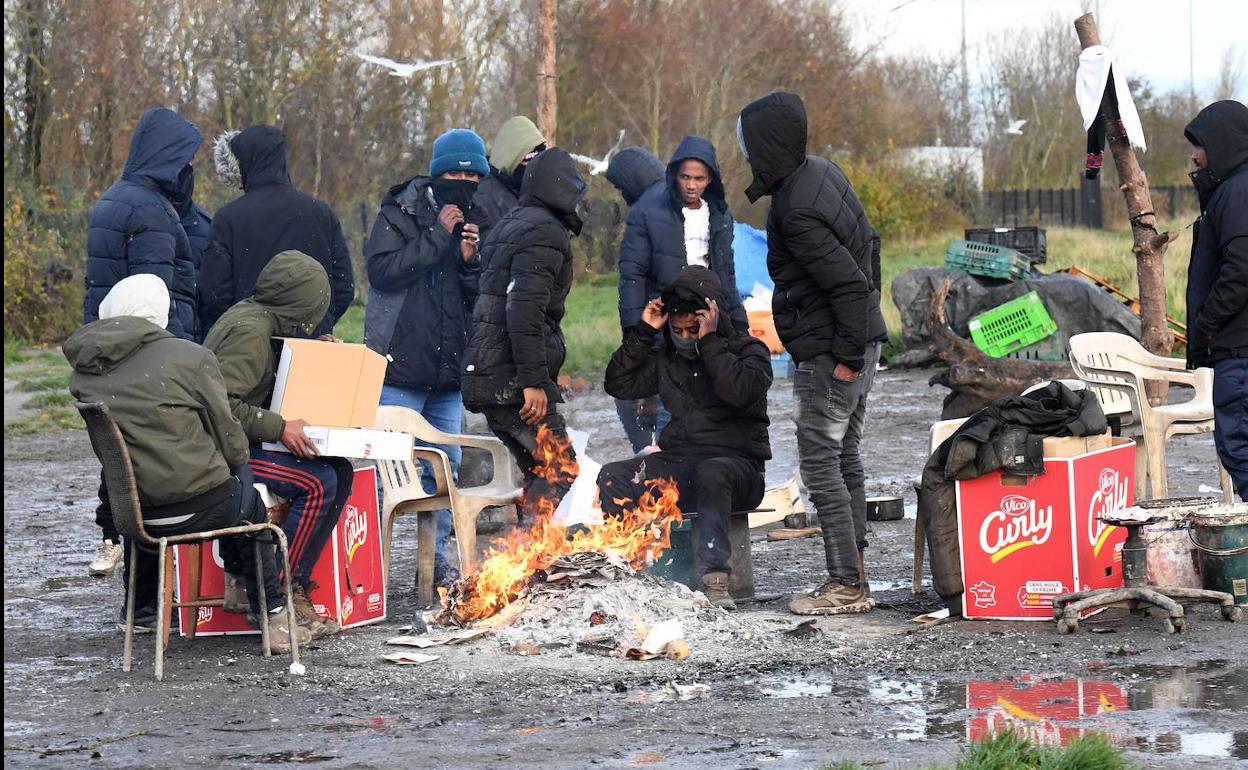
(708, 319)
(653, 314)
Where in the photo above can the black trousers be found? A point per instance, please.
(241, 506)
(712, 486)
(544, 484)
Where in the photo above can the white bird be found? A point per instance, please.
(597, 166)
(1016, 127)
(401, 70)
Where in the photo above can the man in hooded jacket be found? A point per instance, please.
(196, 222)
(1217, 276)
(271, 216)
(823, 255)
(714, 379)
(518, 141)
(516, 346)
(292, 295)
(135, 229)
(187, 449)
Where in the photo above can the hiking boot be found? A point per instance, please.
(306, 612)
(106, 560)
(715, 587)
(862, 579)
(832, 598)
(235, 599)
(279, 630)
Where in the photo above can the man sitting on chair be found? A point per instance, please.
(188, 452)
(714, 381)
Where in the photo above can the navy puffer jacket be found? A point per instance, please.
(134, 226)
(653, 251)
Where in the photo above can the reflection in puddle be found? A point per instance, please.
(1052, 710)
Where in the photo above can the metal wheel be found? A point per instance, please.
(1067, 625)
(1233, 613)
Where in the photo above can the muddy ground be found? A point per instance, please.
(871, 688)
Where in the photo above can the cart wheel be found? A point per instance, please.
(1232, 613)
(1067, 625)
(1176, 625)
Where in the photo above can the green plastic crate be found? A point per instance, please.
(987, 259)
(1012, 326)
(1051, 348)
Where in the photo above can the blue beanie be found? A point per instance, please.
(459, 149)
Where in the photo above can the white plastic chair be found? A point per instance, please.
(404, 493)
(1116, 367)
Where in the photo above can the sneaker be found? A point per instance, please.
(307, 615)
(235, 599)
(107, 558)
(144, 620)
(832, 598)
(715, 587)
(279, 630)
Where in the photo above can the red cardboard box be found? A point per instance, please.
(1026, 540)
(1042, 709)
(348, 576)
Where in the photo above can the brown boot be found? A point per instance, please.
(832, 598)
(307, 615)
(862, 579)
(715, 587)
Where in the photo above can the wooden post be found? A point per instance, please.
(1149, 245)
(547, 100)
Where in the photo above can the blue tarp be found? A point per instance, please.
(749, 251)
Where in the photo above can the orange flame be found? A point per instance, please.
(638, 536)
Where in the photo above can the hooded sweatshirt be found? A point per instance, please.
(1217, 276)
(822, 253)
(632, 171)
(718, 400)
(167, 396)
(292, 296)
(499, 192)
(270, 217)
(134, 227)
(653, 250)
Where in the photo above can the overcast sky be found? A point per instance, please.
(1150, 37)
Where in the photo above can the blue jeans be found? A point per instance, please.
(1230, 420)
(641, 430)
(444, 410)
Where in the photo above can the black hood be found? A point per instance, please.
(691, 287)
(552, 181)
(261, 154)
(696, 148)
(163, 143)
(773, 135)
(632, 171)
(1222, 129)
(184, 196)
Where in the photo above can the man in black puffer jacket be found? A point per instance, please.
(134, 227)
(516, 347)
(270, 217)
(1217, 277)
(714, 380)
(823, 255)
(685, 222)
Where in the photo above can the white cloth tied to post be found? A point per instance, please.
(1096, 65)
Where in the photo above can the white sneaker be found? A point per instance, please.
(107, 559)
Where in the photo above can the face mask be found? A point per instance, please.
(1205, 183)
(685, 347)
(518, 176)
(454, 192)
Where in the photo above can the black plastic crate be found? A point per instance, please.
(1029, 240)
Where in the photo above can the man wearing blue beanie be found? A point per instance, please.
(422, 275)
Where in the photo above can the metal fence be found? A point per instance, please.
(1087, 206)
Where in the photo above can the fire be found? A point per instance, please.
(638, 536)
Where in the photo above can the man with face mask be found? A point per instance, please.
(422, 273)
(1217, 277)
(713, 378)
(291, 299)
(518, 141)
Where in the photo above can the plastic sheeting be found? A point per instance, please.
(749, 250)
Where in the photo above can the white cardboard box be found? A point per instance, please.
(360, 443)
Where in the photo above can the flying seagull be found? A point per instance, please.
(401, 70)
(1016, 127)
(597, 166)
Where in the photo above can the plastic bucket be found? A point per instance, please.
(1171, 558)
(1220, 536)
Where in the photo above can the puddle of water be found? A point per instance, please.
(1052, 710)
(302, 756)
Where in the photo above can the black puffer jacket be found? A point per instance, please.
(1217, 277)
(516, 341)
(420, 291)
(134, 227)
(653, 250)
(270, 217)
(496, 195)
(632, 171)
(822, 252)
(718, 401)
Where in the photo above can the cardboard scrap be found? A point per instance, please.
(793, 534)
(408, 658)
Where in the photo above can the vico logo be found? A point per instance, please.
(1110, 496)
(354, 529)
(1016, 524)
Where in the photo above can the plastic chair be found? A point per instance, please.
(404, 493)
(939, 431)
(123, 497)
(1116, 367)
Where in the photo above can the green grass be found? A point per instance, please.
(36, 383)
(591, 327)
(51, 398)
(350, 328)
(1009, 751)
(46, 374)
(49, 419)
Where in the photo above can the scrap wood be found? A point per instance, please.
(406, 658)
(1178, 327)
(793, 534)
